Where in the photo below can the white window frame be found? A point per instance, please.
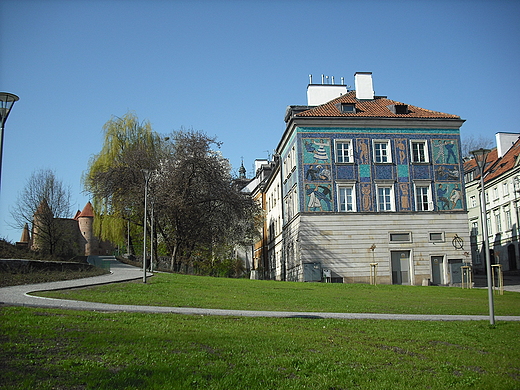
(507, 218)
(386, 157)
(428, 187)
(390, 194)
(425, 151)
(340, 157)
(342, 187)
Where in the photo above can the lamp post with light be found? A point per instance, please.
(147, 173)
(480, 157)
(7, 101)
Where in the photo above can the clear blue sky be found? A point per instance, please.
(230, 68)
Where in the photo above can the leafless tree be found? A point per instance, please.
(41, 204)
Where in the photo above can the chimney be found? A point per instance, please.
(318, 94)
(364, 87)
(505, 141)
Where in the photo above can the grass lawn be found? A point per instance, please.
(223, 293)
(61, 349)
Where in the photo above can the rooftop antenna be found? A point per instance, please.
(268, 155)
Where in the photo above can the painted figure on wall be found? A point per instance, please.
(401, 148)
(405, 196)
(317, 151)
(445, 151)
(449, 196)
(363, 151)
(366, 194)
(318, 197)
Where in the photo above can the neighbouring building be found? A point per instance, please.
(79, 230)
(502, 194)
(361, 183)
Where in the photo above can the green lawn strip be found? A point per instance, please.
(244, 294)
(46, 349)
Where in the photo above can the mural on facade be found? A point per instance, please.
(366, 196)
(404, 197)
(318, 197)
(362, 148)
(317, 174)
(449, 196)
(445, 151)
(316, 150)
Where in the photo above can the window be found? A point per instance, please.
(382, 152)
(423, 200)
(436, 237)
(498, 221)
(385, 198)
(400, 237)
(346, 198)
(488, 220)
(419, 152)
(348, 108)
(473, 201)
(401, 109)
(505, 188)
(507, 214)
(344, 152)
(495, 193)
(474, 228)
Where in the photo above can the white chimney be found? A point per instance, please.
(364, 86)
(322, 93)
(505, 141)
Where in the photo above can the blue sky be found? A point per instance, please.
(230, 68)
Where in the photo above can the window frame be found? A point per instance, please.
(391, 195)
(344, 186)
(349, 150)
(426, 156)
(388, 151)
(397, 233)
(429, 196)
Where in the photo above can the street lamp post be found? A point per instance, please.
(147, 173)
(480, 157)
(7, 101)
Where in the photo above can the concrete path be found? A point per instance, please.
(19, 296)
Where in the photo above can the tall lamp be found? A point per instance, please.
(480, 157)
(7, 101)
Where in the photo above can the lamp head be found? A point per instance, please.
(480, 156)
(7, 101)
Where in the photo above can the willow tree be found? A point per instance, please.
(115, 175)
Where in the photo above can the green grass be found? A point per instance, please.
(59, 349)
(222, 293)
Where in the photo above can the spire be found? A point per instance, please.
(26, 236)
(88, 211)
(242, 171)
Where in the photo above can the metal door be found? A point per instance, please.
(436, 269)
(455, 271)
(400, 267)
(311, 272)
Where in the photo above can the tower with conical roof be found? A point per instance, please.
(86, 228)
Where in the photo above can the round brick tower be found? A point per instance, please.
(86, 227)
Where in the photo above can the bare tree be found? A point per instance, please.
(471, 142)
(41, 203)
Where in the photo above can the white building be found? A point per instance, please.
(502, 189)
(364, 179)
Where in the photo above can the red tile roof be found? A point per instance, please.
(379, 107)
(496, 166)
(88, 211)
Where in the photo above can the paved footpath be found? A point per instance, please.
(19, 296)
